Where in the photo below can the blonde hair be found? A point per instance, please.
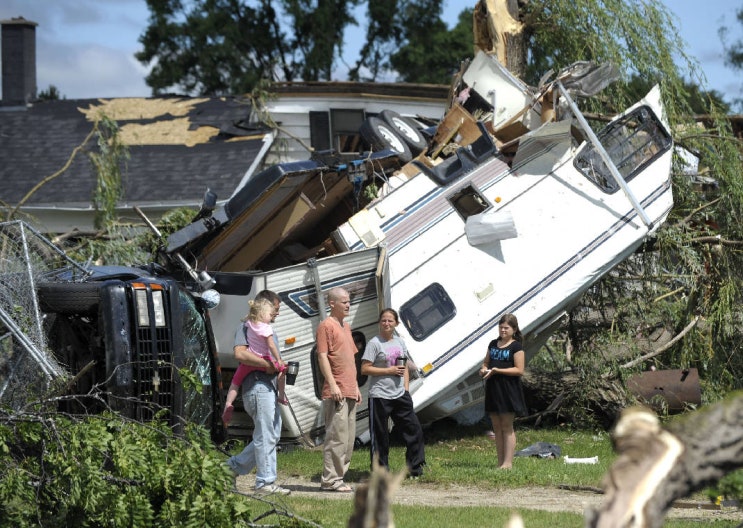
(258, 309)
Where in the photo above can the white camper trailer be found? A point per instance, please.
(519, 211)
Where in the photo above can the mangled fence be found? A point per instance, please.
(26, 364)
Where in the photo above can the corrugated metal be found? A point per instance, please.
(297, 323)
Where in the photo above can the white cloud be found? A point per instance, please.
(83, 71)
(86, 47)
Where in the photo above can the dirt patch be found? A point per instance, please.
(421, 493)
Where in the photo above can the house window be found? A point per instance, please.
(632, 143)
(344, 129)
(468, 202)
(320, 130)
(428, 311)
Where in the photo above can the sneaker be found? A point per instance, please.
(272, 489)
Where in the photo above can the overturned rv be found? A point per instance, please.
(519, 210)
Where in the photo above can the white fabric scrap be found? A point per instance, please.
(490, 226)
(591, 460)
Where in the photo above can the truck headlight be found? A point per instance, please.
(158, 307)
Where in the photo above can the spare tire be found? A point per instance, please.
(68, 297)
(407, 129)
(381, 136)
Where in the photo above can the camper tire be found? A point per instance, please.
(407, 129)
(68, 297)
(381, 136)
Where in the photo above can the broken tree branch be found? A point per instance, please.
(665, 347)
(691, 215)
(49, 178)
(657, 466)
(715, 239)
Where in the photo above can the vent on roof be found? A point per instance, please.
(19, 61)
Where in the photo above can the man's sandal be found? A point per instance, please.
(341, 488)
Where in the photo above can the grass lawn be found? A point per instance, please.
(464, 456)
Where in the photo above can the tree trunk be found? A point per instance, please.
(658, 466)
(602, 399)
(498, 29)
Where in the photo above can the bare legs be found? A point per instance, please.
(505, 438)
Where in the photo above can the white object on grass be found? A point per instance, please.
(591, 460)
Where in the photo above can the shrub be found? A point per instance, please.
(100, 470)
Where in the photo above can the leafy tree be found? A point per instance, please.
(733, 50)
(701, 101)
(50, 94)
(210, 47)
(432, 53)
(408, 40)
(318, 34)
(214, 47)
(107, 162)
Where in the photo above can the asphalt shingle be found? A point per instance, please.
(37, 141)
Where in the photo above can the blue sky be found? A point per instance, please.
(86, 47)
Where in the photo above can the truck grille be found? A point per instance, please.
(154, 368)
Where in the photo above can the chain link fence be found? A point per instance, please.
(26, 364)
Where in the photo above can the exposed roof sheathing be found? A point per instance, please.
(178, 147)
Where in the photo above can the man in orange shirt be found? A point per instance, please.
(340, 393)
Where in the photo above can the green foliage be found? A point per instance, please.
(691, 267)
(216, 47)
(125, 244)
(210, 47)
(50, 94)
(730, 487)
(733, 50)
(318, 34)
(408, 40)
(107, 162)
(431, 53)
(102, 471)
(169, 223)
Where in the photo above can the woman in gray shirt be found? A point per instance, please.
(384, 361)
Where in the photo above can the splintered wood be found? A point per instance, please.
(373, 500)
(168, 124)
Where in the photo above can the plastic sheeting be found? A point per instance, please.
(490, 226)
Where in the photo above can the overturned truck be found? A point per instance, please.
(512, 203)
(85, 339)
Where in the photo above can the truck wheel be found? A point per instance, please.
(68, 297)
(382, 136)
(406, 129)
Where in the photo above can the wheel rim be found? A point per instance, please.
(406, 129)
(391, 138)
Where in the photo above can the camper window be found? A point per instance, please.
(632, 142)
(428, 311)
(468, 201)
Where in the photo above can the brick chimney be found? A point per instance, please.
(19, 61)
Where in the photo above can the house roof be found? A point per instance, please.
(178, 148)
